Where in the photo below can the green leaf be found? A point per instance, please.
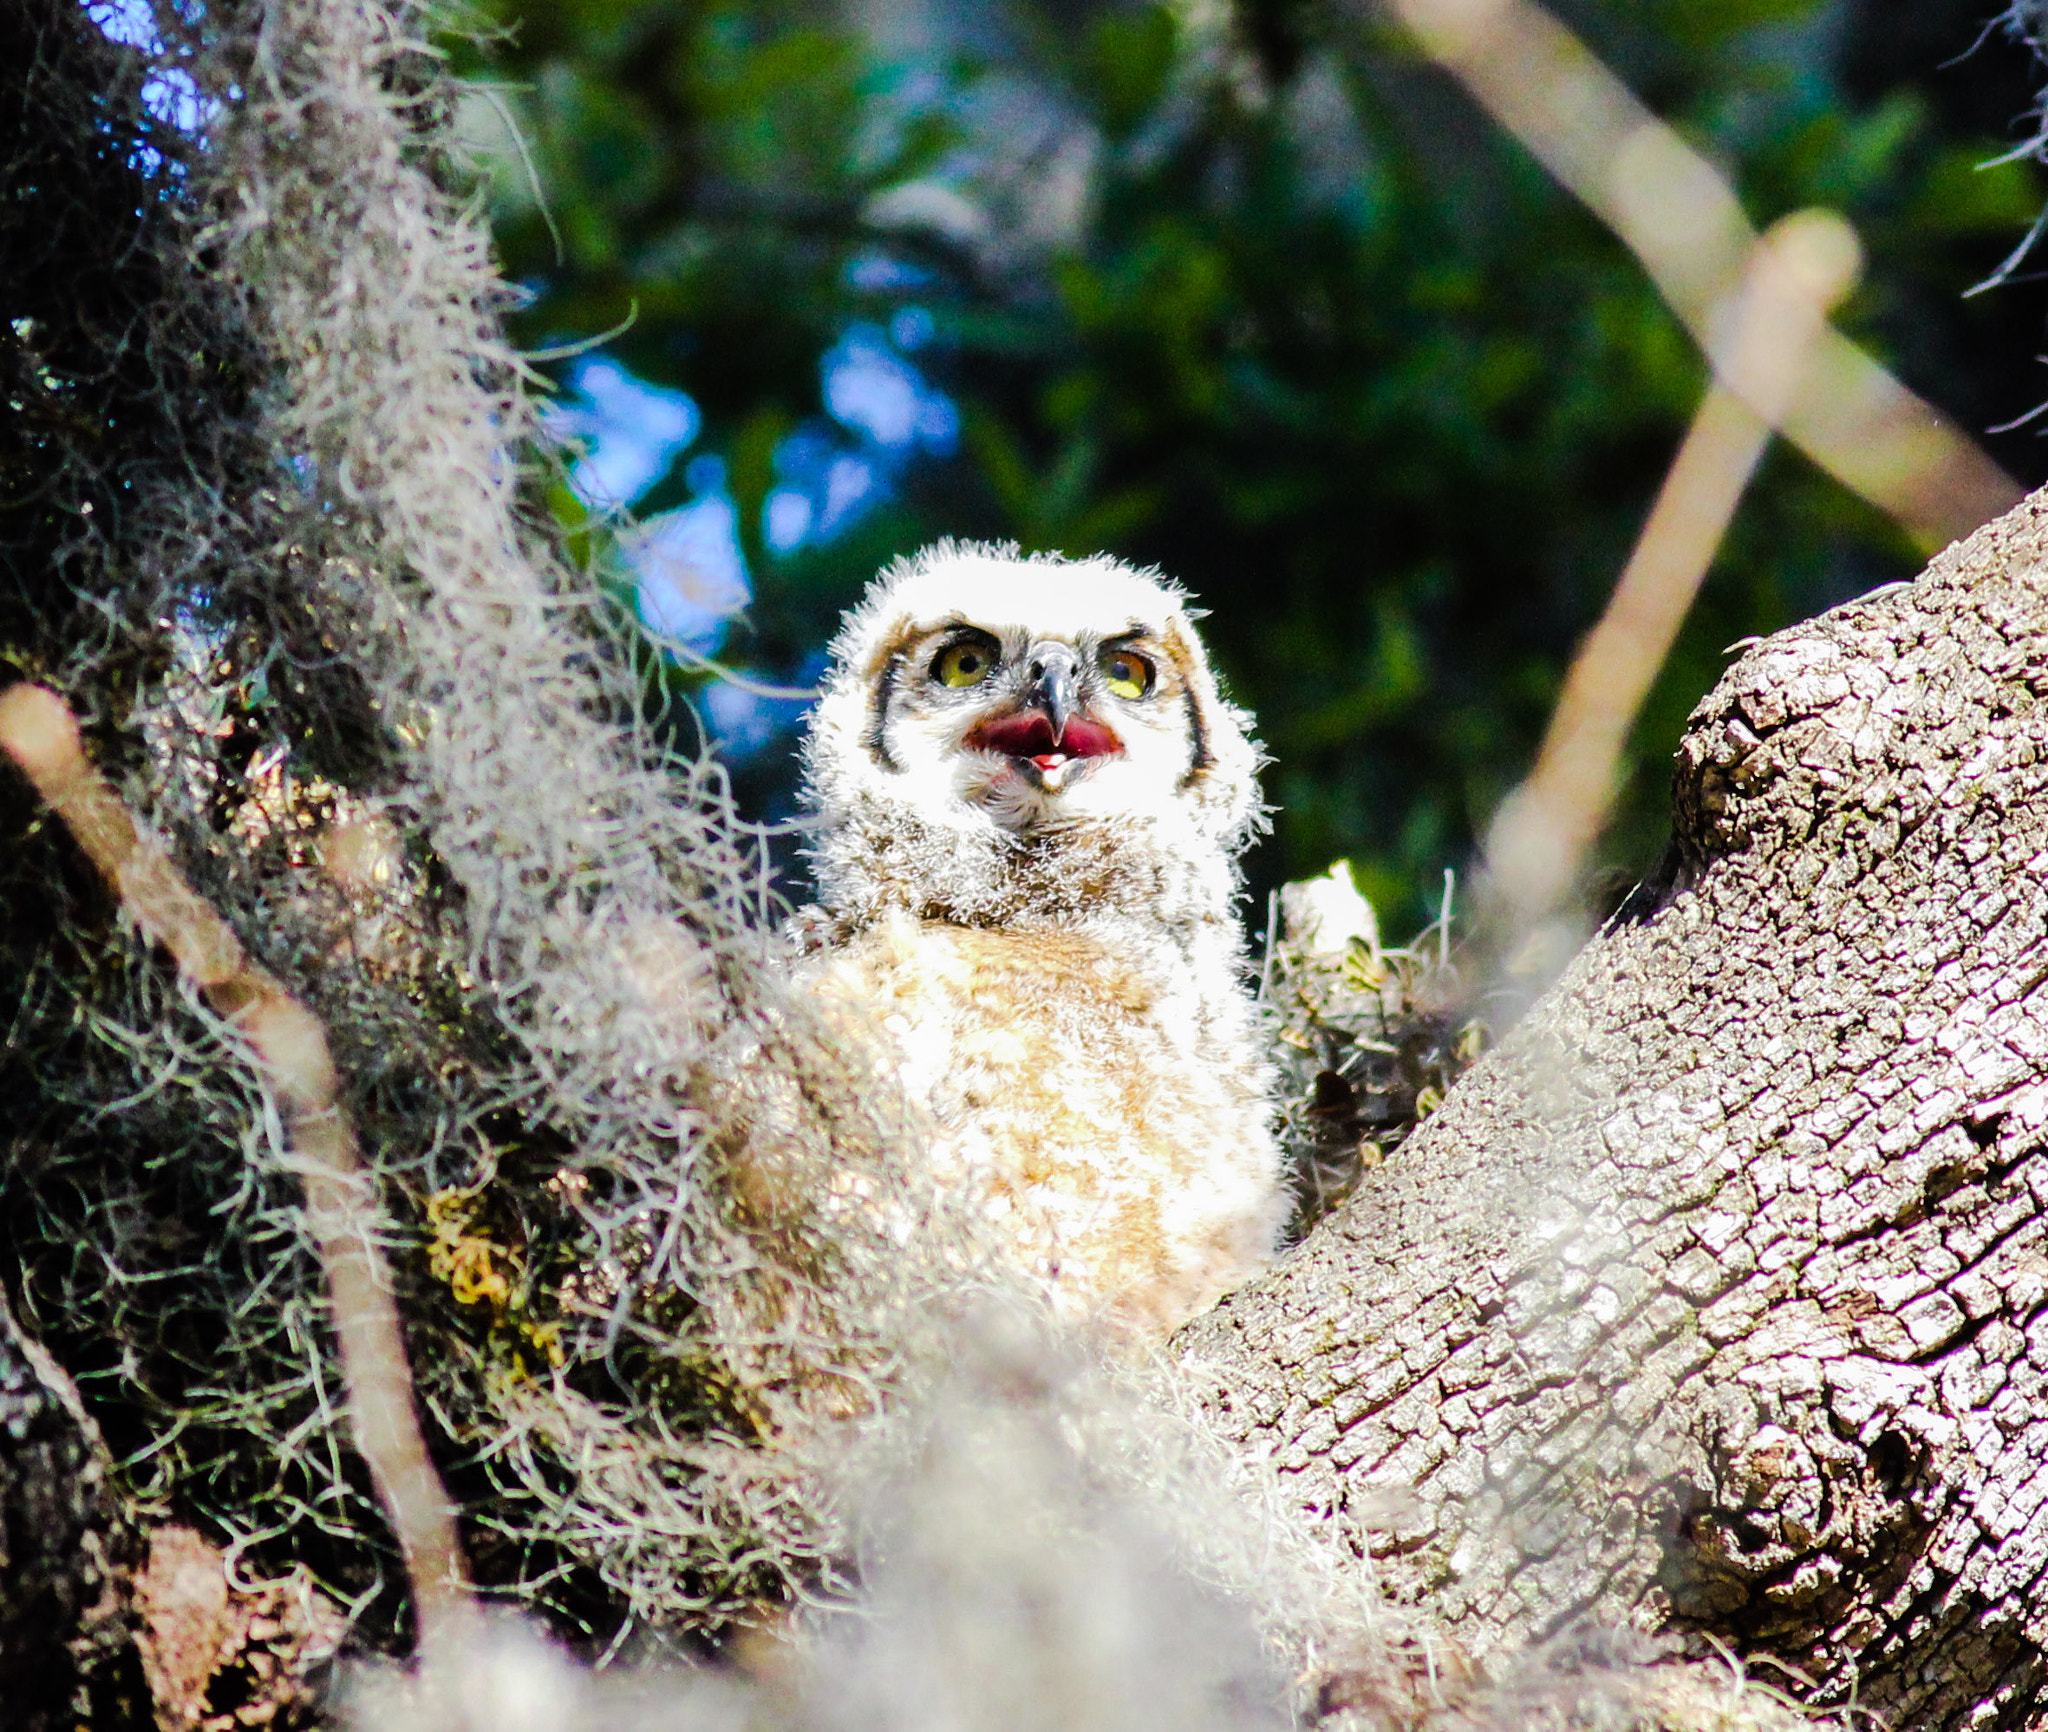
(1129, 58)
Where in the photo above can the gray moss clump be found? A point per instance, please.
(267, 526)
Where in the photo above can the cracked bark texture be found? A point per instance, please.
(1714, 1300)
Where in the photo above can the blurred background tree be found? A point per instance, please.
(1243, 288)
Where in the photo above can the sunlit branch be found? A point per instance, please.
(38, 731)
(1798, 271)
(1677, 214)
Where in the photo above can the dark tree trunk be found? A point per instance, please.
(67, 1650)
(1714, 1299)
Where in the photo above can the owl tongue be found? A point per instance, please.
(1029, 734)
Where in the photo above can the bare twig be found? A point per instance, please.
(1677, 214)
(38, 731)
(1539, 838)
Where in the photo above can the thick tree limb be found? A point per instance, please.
(1718, 1297)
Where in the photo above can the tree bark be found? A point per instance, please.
(1713, 1300)
(67, 1647)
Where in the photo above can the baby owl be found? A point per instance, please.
(1031, 800)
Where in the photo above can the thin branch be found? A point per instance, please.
(1798, 271)
(1682, 220)
(38, 731)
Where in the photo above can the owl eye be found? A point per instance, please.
(1127, 673)
(963, 664)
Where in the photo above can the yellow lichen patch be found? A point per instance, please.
(478, 1270)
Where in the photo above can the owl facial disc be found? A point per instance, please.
(988, 698)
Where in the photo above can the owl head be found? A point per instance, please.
(988, 702)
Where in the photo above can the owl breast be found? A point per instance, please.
(1100, 1117)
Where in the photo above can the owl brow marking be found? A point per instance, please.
(1200, 758)
(875, 735)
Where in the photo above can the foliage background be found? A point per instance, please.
(1245, 290)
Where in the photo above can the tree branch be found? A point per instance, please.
(38, 731)
(1717, 1298)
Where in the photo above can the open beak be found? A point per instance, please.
(1048, 731)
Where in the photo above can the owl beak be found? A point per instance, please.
(1054, 672)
